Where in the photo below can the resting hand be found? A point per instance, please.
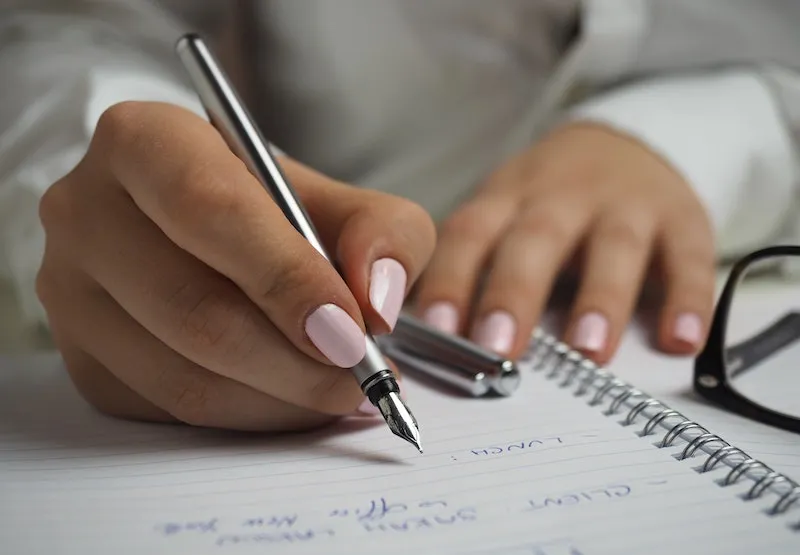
(583, 190)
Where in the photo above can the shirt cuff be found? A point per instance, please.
(724, 133)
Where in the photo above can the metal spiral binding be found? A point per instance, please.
(572, 370)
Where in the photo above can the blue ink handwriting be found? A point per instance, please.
(199, 526)
(581, 497)
(516, 446)
(411, 523)
(293, 536)
(283, 521)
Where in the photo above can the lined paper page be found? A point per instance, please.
(539, 473)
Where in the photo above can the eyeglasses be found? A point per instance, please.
(751, 362)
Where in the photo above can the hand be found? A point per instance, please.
(585, 192)
(176, 289)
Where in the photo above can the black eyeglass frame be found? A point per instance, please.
(710, 376)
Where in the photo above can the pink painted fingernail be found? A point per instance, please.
(367, 408)
(496, 332)
(336, 335)
(442, 316)
(387, 289)
(591, 333)
(688, 328)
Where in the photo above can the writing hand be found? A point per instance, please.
(176, 289)
(583, 192)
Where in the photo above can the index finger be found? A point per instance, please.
(181, 174)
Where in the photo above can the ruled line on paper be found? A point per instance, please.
(122, 431)
(555, 444)
(255, 488)
(541, 442)
(268, 446)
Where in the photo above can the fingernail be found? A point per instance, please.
(387, 289)
(496, 332)
(336, 335)
(688, 328)
(442, 316)
(367, 408)
(591, 333)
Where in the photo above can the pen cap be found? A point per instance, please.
(475, 383)
(415, 337)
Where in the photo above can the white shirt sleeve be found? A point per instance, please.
(725, 134)
(65, 70)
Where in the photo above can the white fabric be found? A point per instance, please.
(417, 97)
(694, 119)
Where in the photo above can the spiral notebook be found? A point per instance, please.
(577, 462)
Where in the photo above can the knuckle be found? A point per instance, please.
(218, 328)
(413, 218)
(467, 224)
(614, 296)
(409, 212)
(118, 125)
(286, 280)
(606, 296)
(699, 256)
(85, 374)
(44, 286)
(190, 402)
(57, 207)
(626, 235)
(542, 222)
(694, 283)
(326, 393)
(195, 194)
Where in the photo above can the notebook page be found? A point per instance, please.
(538, 473)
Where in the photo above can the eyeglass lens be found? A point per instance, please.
(762, 337)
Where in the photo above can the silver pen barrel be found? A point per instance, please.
(466, 379)
(233, 121)
(451, 358)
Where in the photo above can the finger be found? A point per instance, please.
(464, 246)
(105, 392)
(527, 261)
(96, 384)
(382, 242)
(176, 386)
(178, 171)
(383, 248)
(203, 316)
(617, 257)
(687, 257)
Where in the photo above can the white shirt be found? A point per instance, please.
(421, 98)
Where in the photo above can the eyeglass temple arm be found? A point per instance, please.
(748, 353)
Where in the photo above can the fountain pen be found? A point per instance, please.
(228, 114)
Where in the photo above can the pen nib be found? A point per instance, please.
(399, 418)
